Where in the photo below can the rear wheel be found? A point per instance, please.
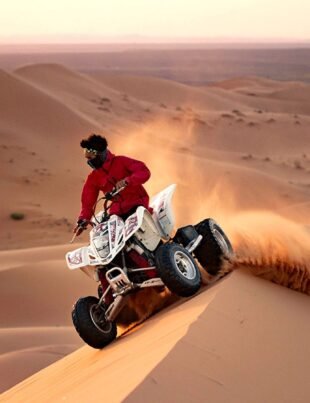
(90, 323)
(178, 270)
(214, 248)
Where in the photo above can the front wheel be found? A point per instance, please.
(177, 269)
(90, 323)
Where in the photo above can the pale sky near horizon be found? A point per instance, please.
(95, 20)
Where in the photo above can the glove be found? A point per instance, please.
(81, 225)
(121, 184)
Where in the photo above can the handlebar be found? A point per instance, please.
(109, 196)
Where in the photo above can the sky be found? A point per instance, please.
(65, 21)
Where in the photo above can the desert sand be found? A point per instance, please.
(239, 152)
(234, 342)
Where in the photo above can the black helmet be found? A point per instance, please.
(96, 146)
(95, 142)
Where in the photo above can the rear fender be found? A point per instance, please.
(162, 211)
(142, 224)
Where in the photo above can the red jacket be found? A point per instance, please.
(114, 169)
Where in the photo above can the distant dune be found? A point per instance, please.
(188, 63)
(27, 110)
(160, 91)
(239, 152)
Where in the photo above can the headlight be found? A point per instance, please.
(101, 243)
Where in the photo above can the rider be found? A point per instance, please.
(109, 172)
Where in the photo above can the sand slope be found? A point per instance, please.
(238, 150)
(162, 91)
(215, 346)
(27, 350)
(255, 155)
(27, 110)
(37, 292)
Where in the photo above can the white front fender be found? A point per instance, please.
(81, 257)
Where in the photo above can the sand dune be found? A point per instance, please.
(74, 89)
(42, 287)
(250, 81)
(165, 93)
(253, 92)
(297, 91)
(62, 79)
(239, 152)
(215, 346)
(26, 350)
(32, 112)
(262, 92)
(34, 336)
(37, 294)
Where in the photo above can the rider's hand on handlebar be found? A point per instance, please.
(121, 184)
(81, 225)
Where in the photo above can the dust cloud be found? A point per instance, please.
(274, 246)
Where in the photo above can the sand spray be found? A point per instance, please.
(273, 246)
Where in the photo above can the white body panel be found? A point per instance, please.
(108, 238)
(163, 213)
(81, 257)
(146, 231)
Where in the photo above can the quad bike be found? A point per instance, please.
(127, 256)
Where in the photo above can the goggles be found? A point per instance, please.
(91, 151)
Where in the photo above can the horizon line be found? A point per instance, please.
(139, 39)
(141, 43)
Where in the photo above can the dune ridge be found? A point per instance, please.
(239, 153)
(217, 366)
(33, 110)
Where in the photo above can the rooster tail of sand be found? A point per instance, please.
(274, 248)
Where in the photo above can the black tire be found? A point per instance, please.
(215, 247)
(90, 330)
(177, 269)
